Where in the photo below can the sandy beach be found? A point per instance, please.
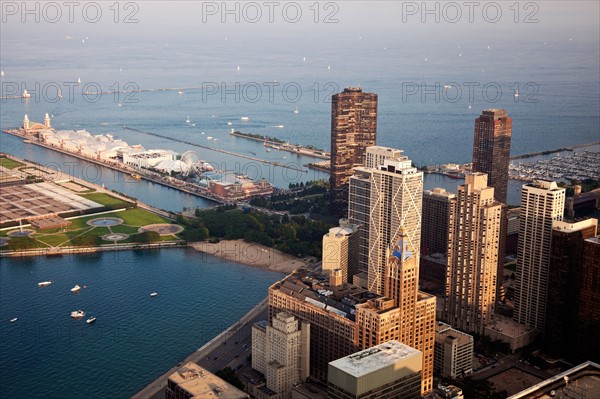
(251, 254)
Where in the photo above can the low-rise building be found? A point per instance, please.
(194, 382)
(388, 370)
(453, 354)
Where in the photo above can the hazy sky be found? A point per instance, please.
(157, 20)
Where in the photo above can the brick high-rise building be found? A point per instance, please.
(542, 203)
(565, 286)
(491, 149)
(473, 256)
(404, 313)
(353, 129)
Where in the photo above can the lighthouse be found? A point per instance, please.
(47, 121)
(26, 123)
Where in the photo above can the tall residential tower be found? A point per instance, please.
(542, 202)
(353, 129)
(473, 256)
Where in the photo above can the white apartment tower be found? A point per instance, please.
(281, 352)
(542, 202)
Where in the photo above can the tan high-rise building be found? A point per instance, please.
(473, 256)
(404, 313)
(353, 129)
(542, 202)
(281, 352)
(396, 200)
(340, 248)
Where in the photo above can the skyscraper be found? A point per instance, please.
(542, 202)
(438, 208)
(564, 286)
(473, 256)
(491, 149)
(404, 313)
(589, 302)
(396, 201)
(353, 129)
(359, 199)
(491, 155)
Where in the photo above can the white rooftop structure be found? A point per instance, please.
(376, 358)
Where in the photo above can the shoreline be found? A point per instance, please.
(251, 254)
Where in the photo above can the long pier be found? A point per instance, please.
(121, 168)
(293, 148)
(217, 149)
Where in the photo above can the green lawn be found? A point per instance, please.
(9, 163)
(106, 200)
(132, 220)
(140, 217)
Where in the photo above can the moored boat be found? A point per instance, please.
(77, 288)
(90, 320)
(44, 283)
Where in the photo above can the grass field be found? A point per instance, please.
(106, 200)
(9, 163)
(80, 231)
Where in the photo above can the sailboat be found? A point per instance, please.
(296, 111)
(79, 80)
(188, 119)
(517, 93)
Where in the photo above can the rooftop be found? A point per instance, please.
(203, 384)
(313, 287)
(375, 358)
(582, 381)
(445, 331)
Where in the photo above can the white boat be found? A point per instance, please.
(447, 87)
(180, 92)
(90, 320)
(188, 119)
(153, 294)
(296, 111)
(2, 73)
(44, 283)
(279, 126)
(268, 150)
(77, 314)
(229, 123)
(517, 93)
(77, 288)
(245, 118)
(13, 320)
(26, 94)
(238, 68)
(470, 106)
(79, 80)
(119, 105)
(209, 138)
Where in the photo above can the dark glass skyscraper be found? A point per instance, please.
(353, 129)
(491, 149)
